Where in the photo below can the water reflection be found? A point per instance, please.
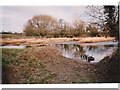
(75, 51)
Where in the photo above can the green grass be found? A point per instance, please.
(30, 68)
(9, 55)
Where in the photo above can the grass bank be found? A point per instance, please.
(108, 69)
(43, 65)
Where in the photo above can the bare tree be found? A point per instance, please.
(79, 27)
(63, 27)
(41, 24)
(97, 15)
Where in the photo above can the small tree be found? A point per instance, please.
(79, 27)
(63, 28)
(92, 31)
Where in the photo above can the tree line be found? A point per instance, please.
(48, 26)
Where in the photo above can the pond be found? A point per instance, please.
(83, 51)
(95, 50)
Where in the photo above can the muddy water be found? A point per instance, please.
(96, 50)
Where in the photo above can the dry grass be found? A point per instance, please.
(95, 39)
(33, 41)
(46, 41)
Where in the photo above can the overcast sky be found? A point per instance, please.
(14, 18)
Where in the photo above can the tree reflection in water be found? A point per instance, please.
(74, 51)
